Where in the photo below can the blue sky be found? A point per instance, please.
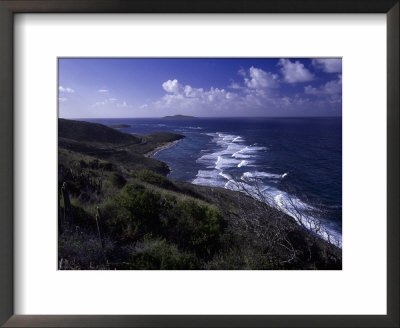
(204, 87)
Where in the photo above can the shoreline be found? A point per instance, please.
(160, 148)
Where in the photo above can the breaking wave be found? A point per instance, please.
(230, 154)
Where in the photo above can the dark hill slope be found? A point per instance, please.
(92, 132)
(108, 144)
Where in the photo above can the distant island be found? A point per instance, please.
(118, 126)
(180, 117)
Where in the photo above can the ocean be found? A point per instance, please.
(288, 158)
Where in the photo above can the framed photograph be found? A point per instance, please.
(206, 164)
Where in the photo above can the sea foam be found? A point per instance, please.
(233, 153)
(290, 205)
(243, 163)
(257, 175)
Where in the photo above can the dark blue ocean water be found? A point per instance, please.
(287, 156)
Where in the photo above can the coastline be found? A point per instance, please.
(144, 202)
(163, 147)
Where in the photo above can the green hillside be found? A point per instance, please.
(108, 144)
(92, 132)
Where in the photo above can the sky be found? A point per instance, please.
(203, 87)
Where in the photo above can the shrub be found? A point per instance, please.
(198, 228)
(192, 226)
(77, 216)
(106, 166)
(144, 206)
(117, 180)
(80, 250)
(117, 221)
(136, 209)
(94, 164)
(160, 255)
(83, 164)
(155, 179)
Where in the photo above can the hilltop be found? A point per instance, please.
(93, 132)
(117, 210)
(180, 117)
(119, 126)
(106, 143)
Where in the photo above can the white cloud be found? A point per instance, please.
(188, 98)
(99, 103)
(66, 90)
(294, 72)
(258, 93)
(242, 72)
(328, 65)
(310, 90)
(111, 102)
(330, 88)
(255, 78)
(234, 85)
(192, 92)
(102, 91)
(260, 79)
(124, 104)
(62, 99)
(171, 86)
(253, 94)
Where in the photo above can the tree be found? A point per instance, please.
(275, 220)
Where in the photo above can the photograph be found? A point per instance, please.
(189, 164)
(199, 163)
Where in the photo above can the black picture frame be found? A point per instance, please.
(10, 7)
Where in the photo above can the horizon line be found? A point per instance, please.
(200, 117)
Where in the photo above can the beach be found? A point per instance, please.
(163, 147)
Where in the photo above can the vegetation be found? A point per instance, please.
(105, 143)
(156, 179)
(117, 214)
